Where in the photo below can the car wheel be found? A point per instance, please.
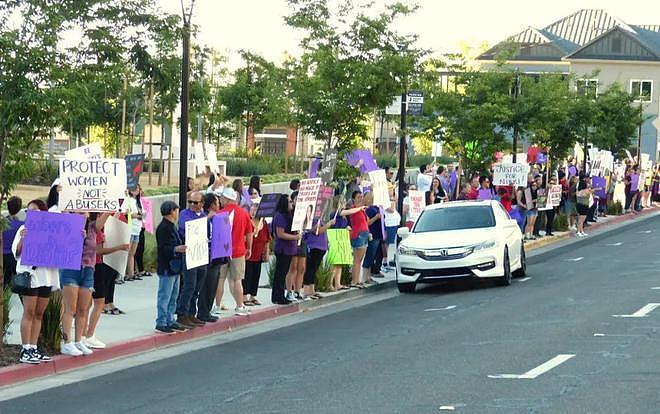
(523, 264)
(505, 280)
(406, 287)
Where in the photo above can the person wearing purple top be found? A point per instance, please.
(192, 279)
(285, 247)
(317, 243)
(14, 205)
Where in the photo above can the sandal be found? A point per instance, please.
(248, 303)
(256, 302)
(107, 311)
(342, 287)
(117, 311)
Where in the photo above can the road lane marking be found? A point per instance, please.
(643, 312)
(577, 259)
(541, 369)
(614, 244)
(439, 309)
(645, 232)
(524, 279)
(655, 288)
(447, 408)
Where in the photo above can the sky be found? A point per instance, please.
(442, 26)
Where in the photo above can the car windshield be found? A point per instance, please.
(455, 218)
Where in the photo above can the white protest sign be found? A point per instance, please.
(554, 195)
(200, 160)
(417, 203)
(92, 185)
(86, 152)
(305, 204)
(597, 163)
(395, 107)
(647, 164)
(379, 188)
(212, 158)
(436, 150)
(197, 243)
(629, 155)
(116, 233)
(508, 174)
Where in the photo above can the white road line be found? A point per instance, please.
(645, 232)
(615, 244)
(439, 309)
(541, 369)
(577, 259)
(643, 312)
(447, 408)
(655, 288)
(524, 279)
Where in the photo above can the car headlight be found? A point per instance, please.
(407, 251)
(485, 245)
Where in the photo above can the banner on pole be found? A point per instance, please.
(363, 160)
(53, 240)
(328, 166)
(267, 205)
(134, 164)
(116, 233)
(303, 215)
(197, 243)
(510, 174)
(92, 185)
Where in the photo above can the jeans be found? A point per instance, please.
(377, 262)
(193, 280)
(372, 248)
(168, 289)
(207, 292)
(282, 264)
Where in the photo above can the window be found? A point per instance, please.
(641, 90)
(587, 87)
(455, 218)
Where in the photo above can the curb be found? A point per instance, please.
(18, 373)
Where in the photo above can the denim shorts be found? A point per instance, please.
(532, 213)
(362, 240)
(391, 234)
(83, 278)
(135, 238)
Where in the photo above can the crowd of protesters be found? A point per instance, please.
(189, 298)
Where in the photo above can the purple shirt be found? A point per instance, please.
(187, 215)
(9, 235)
(287, 247)
(341, 222)
(89, 246)
(313, 241)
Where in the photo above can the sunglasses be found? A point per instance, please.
(193, 202)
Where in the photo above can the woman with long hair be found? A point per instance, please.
(294, 278)
(285, 248)
(255, 184)
(259, 254)
(359, 235)
(135, 210)
(43, 281)
(584, 195)
(53, 199)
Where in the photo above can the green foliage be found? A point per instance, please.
(561, 222)
(6, 308)
(150, 253)
(617, 119)
(51, 333)
(323, 277)
(614, 209)
(271, 271)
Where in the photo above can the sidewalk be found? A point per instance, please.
(134, 332)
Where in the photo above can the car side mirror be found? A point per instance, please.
(403, 232)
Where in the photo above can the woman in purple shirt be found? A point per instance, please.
(77, 286)
(286, 247)
(317, 243)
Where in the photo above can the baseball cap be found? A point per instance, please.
(229, 194)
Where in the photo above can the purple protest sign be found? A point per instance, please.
(313, 168)
(362, 159)
(220, 236)
(485, 194)
(634, 182)
(541, 158)
(598, 184)
(53, 240)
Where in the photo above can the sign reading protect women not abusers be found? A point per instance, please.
(92, 184)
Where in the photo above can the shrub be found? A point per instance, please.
(614, 209)
(150, 254)
(51, 334)
(271, 271)
(561, 222)
(346, 276)
(323, 277)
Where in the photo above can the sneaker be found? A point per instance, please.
(83, 348)
(584, 234)
(28, 357)
(241, 311)
(176, 327)
(579, 234)
(378, 275)
(70, 349)
(93, 342)
(41, 356)
(164, 329)
(291, 297)
(299, 296)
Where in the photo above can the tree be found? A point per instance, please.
(617, 119)
(347, 69)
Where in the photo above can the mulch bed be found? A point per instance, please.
(9, 355)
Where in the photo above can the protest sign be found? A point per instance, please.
(365, 186)
(53, 240)
(313, 169)
(134, 163)
(220, 236)
(417, 204)
(436, 149)
(528, 198)
(646, 162)
(324, 203)
(339, 247)
(642, 178)
(379, 188)
(629, 155)
(362, 159)
(212, 159)
(86, 152)
(197, 243)
(634, 182)
(92, 185)
(485, 194)
(510, 174)
(542, 200)
(116, 233)
(328, 166)
(305, 204)
(267, 205)
(541, 158)
(554, 195)
(147, 214)
(599, 185)
(200, 159)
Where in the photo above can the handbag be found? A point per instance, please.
(20, 282)
(582, 197)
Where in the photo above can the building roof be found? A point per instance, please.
(568, 36)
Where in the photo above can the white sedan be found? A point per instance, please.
(462, 239)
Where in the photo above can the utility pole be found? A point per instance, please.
(639, 137)
(516, 93)
(185, 79)
(401, 173)
(123, 118)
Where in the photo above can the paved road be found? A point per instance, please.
(410, 354)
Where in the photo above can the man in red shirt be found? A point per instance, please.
(474, 188)
(241, 244)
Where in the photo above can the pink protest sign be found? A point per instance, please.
(147, 214)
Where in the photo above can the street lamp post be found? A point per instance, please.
(185, 79)
(401, 173)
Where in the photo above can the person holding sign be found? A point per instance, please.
(77, 288)
(260, 254)
(135, 210)
(360, 236)
(317, 242)
(43, 281)
(169, 248)
(285, 247)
